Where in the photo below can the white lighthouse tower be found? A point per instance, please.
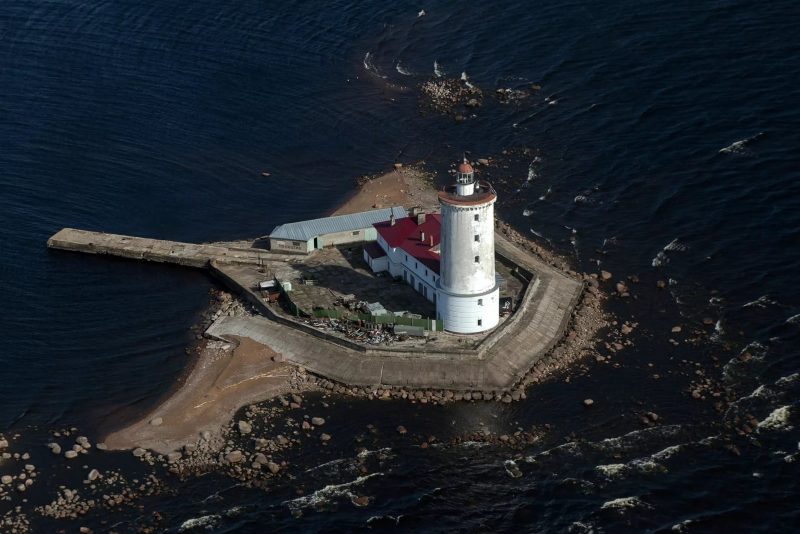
(468, 292)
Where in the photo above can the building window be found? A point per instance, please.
(416, 265)
(356, 232)
(477, 259)
(295, 243)
(477, 217)
(480, 302)
(480, 322)
(477, 238)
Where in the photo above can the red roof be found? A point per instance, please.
(406, 234)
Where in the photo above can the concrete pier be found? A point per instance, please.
(156, 250)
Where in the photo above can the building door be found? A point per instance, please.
(316, 243)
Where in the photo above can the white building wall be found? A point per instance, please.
(468, 314)
(460, 273)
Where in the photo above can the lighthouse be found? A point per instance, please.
(468, 291)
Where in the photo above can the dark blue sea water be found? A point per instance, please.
(667, 134)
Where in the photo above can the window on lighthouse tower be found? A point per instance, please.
(477, 259)
(477, 238)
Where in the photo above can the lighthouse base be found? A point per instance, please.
(468, 314)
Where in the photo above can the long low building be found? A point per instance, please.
(306, 236)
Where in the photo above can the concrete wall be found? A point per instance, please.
(288, 245)
(344, 238)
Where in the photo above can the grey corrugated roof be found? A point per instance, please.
(305, 230)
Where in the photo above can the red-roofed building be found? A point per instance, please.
(408, 248)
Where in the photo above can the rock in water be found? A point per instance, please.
(234, 457)
(605, 275)
(7, 479)
(325, 437)
(317, 421)
(55, 448)
(93, 475)
(245, 427)
(273, 467)
(588, 402)
(138, 452)
(70, 454)
(401, 430)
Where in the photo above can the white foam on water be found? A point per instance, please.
(512, 469)
(531, 173)
(738, 147)
(385, 452)
(787, 380)
(612, 470)
(466, 80)
(546, 193)
(761, 302)
(197, 522)
(402, 70)
(421, 13)
(625, 503)
(370, 66)
(527, 212)
(326, 494)
(473, 444)
(794, 319)
(437, 69)
(660, 259)
(778, 419)
(675, 246)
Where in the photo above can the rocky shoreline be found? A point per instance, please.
(255, 444)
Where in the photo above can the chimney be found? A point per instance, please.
(414, 211)
(420, 217)
(391, 219)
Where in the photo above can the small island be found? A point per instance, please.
(402, 292)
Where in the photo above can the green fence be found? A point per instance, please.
(389, 318)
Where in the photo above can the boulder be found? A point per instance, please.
(260, 459)
(325, 437)
(93, 475)
(70, 454)
(605, 275)
(173, 457)
(3, 443)
(588, 402)
(138, 452)
(245, 427)
(156, 421)
(55, 448)
(273, 467)
(233, 457)
(401, 430)
(7, 479)
(317, 421)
